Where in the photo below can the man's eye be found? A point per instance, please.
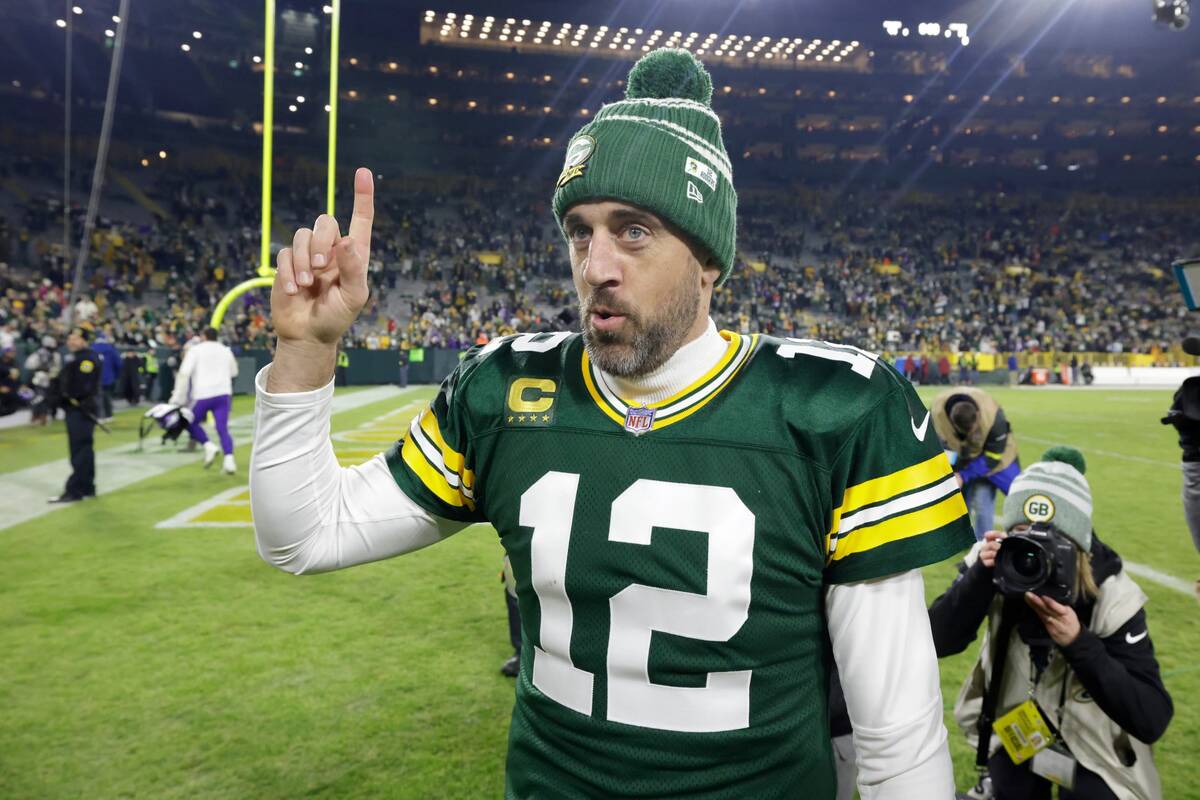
(635, 233)
(580, 233)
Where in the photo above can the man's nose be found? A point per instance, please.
(603, 260)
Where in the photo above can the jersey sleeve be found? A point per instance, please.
(432, 464)
(897, 505)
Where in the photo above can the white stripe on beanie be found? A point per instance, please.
(1057, 479)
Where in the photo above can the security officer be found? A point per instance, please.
(343, 367)
(79, 383)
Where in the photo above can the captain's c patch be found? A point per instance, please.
(530, 401)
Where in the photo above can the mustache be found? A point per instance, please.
(603, 298)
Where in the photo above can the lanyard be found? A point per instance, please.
(1035, 679)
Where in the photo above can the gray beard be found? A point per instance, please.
(651, 342)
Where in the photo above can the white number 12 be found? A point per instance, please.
(636, 611)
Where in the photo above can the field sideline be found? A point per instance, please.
(170, 662)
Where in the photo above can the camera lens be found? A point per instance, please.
(1027, 562)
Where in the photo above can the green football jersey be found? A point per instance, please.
(671, 560)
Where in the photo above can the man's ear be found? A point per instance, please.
(711, 270)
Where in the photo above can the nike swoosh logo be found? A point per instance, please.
(919, 431)
(1129, 637)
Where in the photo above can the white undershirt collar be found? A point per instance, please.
(682, 369)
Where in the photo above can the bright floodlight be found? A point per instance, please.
(1175, 14)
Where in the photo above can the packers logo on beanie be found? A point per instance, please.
(1053, 491)
(661, 149)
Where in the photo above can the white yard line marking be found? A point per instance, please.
(1107, 453)
(233, 498)
(1161, 578)
(23, 493)
(182, 519)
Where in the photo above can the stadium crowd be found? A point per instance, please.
(457, 266)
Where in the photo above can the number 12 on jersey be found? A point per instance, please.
(723, 703)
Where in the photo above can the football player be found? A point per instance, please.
(700, 522)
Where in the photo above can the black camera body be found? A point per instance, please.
(1040, 560)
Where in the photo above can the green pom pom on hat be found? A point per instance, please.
(1066, 455)
(670, 73)
(659, 149)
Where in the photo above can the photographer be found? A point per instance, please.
(1087, 662)
(1184, 414)
(972, 425)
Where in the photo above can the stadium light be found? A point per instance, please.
(299, 98)
(77, 9)
(1175, 14)
(185, 47)
(292, 108)
(308, 51)
(257, 59)
(109, 33)
(162, 153)
(145, 162)
(327, 9)
(62, 23)
(116, 19)
(197, 35)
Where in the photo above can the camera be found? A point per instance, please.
(1040, 560)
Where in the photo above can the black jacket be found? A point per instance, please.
(1119, 671)
(80, 376)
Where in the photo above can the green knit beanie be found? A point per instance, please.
(1053, 491)
(661, 149)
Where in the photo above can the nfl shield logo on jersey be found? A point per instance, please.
(639, 420)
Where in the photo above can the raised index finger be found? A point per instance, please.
(364, 208)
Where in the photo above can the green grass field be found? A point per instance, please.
(149, 662)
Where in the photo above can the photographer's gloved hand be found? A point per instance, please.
(1061, 622)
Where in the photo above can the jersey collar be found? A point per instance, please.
(683, 403)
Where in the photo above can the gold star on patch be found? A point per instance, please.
(510, 417)
(521, 418)
(545, 417)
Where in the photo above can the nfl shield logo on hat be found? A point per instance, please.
(639, 420)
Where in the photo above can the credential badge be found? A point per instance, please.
(639, 420)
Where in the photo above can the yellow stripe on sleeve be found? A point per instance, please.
(996, 456)
(453, 459)
(433, 479)
(888, 486)
(904, 526)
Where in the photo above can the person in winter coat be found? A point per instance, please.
(1089, 666)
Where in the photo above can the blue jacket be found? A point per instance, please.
(110, 361)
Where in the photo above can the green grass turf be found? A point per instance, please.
(137, 662)
(29, 445)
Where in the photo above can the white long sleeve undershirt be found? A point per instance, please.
(312, 515)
